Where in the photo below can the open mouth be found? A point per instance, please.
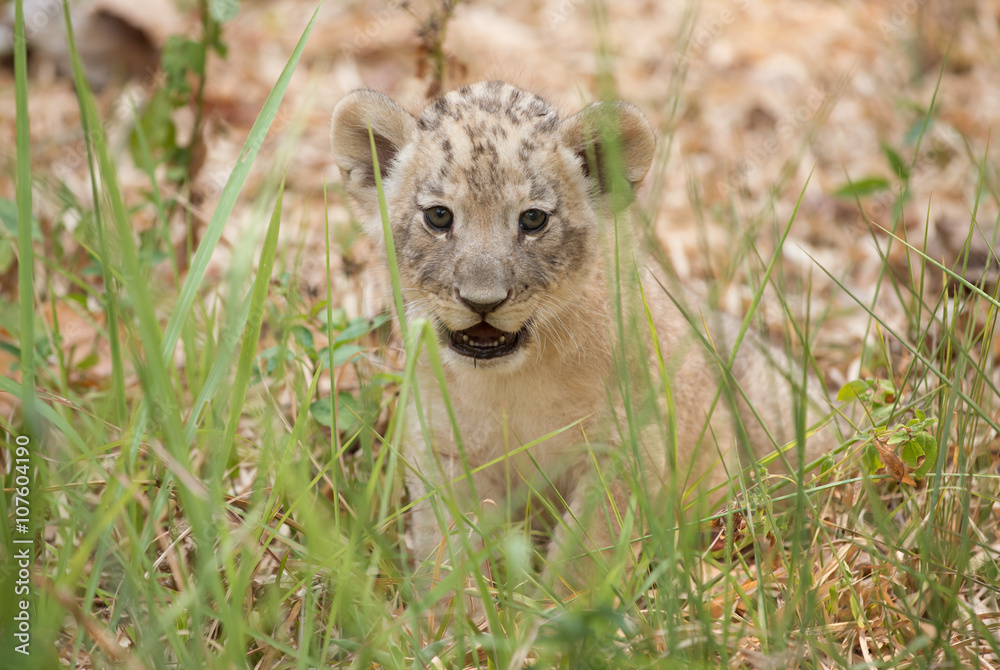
(483, 341)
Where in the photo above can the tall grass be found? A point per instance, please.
(199, 519)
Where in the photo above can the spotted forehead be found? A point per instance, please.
(491, 103)
(487, 136)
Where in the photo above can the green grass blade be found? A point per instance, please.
(251, 335)
(668, 397)
(390, 244)
(220, 365)
(25, 251)
(109, 296)
(199, 264)
(141, 299)
(160, 395)
(334, 434)
(49, 414)
(775, 258)
(917, 354)
(26, 298)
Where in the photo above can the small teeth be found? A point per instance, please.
(483, 343)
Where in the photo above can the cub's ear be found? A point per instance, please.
(592, 133)
(392, 127)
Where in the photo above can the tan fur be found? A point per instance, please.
(488, 153)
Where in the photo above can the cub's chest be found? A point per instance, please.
(498, 416)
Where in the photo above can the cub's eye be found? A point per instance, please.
(438, 218)
(532, 220)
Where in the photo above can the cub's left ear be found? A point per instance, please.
(592, 131)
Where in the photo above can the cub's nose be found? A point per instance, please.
(481, 302)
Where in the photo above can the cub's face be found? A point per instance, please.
(492, 200)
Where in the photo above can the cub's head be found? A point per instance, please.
(493, 201)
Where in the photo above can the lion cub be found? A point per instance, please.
(499, 211)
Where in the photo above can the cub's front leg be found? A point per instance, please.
(585, 546)
(436, 497)
(442, 537)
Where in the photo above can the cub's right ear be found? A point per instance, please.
(392, 127)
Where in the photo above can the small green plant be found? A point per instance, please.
(183, 62)
(885, 192)
(431, 35)
(916, 445)
(354, 410)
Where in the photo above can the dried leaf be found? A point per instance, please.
(899, 470)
